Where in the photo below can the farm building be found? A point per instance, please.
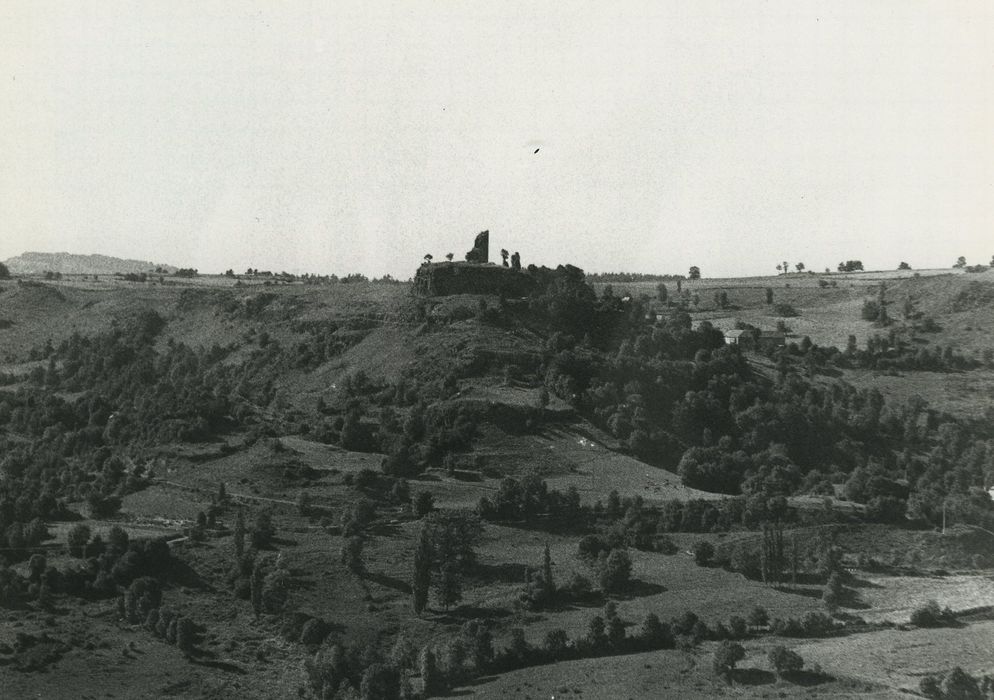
(770, 339)
(754, 340)
(739, 337)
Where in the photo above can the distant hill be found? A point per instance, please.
(73, 264)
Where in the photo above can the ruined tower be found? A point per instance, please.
(481, 249)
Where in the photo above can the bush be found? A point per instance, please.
(758, 617)
(424, 503)
(664, 545)
(785, 310)
(870, 310)
(930, 615)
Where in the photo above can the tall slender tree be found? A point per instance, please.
(421, 581)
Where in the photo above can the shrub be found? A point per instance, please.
(664, 545)
(758, 617)
(870, 310)
(785, 310)
(313, 631)
(737, 627)
(424, 503)
(556, 644)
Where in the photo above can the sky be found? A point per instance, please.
(337, 137)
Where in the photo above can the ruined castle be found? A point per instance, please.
(477, 275)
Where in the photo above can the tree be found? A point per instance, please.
(616, 571)
(424, 503)
(450, 584)
(785, 661)
(304, 503)
(117, 540)
(904, 266)
(547, 579)
(695, 273)
(556, 643)
(449, 256)
(4, 272)
(662, 293)
(352, 555)
(257, 584)
(263, 531)
(758, 617)
(239, 534)
(725, 657)
(959, 685)
(36, 567)
(596, 635)
(380, 682)
(800, 267)
(503, 256)
(834, 591)
(769, 295)
(421, 580)
(703, 552)
(960, 262)
(77, 538)
(428, 258)
(186, 633)
(431, 677)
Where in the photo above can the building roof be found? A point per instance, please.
(737, 333)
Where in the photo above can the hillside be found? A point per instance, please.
(76, 264)
(566, 460)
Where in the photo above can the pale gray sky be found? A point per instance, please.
(358, 136)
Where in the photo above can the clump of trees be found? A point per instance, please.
(931, 615)
(784, 661)
(957, 684)
(444, 553)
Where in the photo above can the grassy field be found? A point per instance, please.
(664, 674)
(900, 659)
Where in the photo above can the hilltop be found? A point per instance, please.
(75, 264)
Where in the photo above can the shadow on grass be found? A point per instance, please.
(470, 612)
(185, 575)
(220, 665)
(388, 582)
(639, 589)
(802, 591)
(863, 583)
(504, 573)
(752, 676)
(807, 679)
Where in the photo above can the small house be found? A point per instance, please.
(742, 338)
